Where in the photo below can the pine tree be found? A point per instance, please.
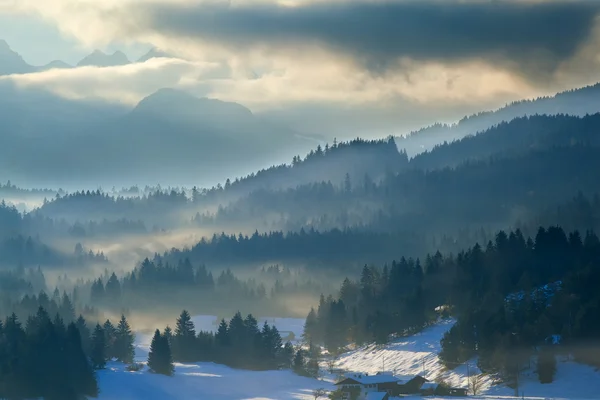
(110, 338)
(286, 356)
(84, 332)
(222, 335)
(98, 348)
(124, 342)
(299, 363)
(184, 338)
(66, 310)
(168, 332)
(81, 375)
(159, 357)
(311, 326)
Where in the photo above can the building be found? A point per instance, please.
(371, 387)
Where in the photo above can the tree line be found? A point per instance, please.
(518, 297)
(396, 299)
(239, 343)
(44, 359)
(159, 283)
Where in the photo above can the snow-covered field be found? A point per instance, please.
(206, 381)
(416, 355)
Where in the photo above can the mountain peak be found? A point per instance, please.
(98, 58)
(4, 45)
(11, 62)
(178, 104)
(153, 53)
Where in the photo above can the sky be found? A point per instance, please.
(375, 66)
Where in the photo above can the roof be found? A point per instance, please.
(375, 396)
(429, 385)
(369, 379)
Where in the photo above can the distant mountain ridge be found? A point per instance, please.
(12, 62)
(578, 102)
(187, 136)
(100, 59)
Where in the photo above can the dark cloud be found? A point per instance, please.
(531, 37)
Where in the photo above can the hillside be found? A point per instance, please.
(577, 102)
(418, 355)
(519, 136)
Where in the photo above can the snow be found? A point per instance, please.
(405, 358)
(418, 355)
(206, 381)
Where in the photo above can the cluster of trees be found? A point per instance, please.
(518, 296)
(348, 246)
(239, 343)
(35, 223)
(158, 283)
(398, 299)
(44, 359)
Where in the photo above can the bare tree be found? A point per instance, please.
(475, 384)
(319, 393)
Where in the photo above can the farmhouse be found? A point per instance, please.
(382, 386)
(378, 386)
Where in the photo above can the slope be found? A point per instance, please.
(578, 102)
(418, 355)
(511, 138)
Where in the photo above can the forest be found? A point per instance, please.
(493, 229)
(513, 297)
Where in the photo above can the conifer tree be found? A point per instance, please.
(66, 310)
(110, 338)
(168, 332)
(299, 363)
(98, 348)
(159, 357)
(84, 332)
(124, 339)
(80, 373)
(184, 338)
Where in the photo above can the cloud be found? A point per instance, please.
(264, 53)
(126, 84)
(534, 36)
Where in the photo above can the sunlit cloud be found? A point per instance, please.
(266, 52)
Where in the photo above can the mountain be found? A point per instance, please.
(56, 64)
(11, 62)
(180, 107)
(518, 136)
(577, 102)
(169, 137)
(153, 53)
(100, 59)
